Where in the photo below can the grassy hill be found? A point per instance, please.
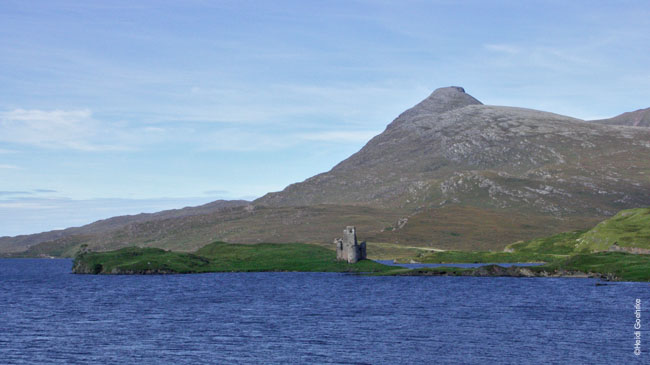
(629, 229)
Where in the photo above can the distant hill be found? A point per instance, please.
(20, 243)
(639, 118)
(449, 173)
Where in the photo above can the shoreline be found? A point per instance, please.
(495, 270)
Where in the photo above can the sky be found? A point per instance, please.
(121, 107)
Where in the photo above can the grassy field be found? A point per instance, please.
(220, 257)
(480, 257)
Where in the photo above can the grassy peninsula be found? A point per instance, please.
(219, 257)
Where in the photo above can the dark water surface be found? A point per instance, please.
(48, 315)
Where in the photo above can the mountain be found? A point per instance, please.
(448, 173)
(639, 118)
(451, 149)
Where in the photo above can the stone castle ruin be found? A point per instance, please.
(348, 249)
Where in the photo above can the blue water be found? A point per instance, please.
(48, 315)
(419, 265)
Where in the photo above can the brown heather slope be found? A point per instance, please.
(464, 174)
(53, 238)
(249, 224)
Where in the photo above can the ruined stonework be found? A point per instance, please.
(348, 249)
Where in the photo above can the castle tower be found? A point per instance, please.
(348, 249)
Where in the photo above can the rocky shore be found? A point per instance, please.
(512, 271)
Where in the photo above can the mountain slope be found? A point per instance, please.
(638, 118)
(490, 157)
(20, 243)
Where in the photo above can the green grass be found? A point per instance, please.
(628, 229)
(220, 257)
(558, 244)
(391, 251)
(480, 257)
(624, 266)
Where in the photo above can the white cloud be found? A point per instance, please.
(25, 205)
(12, 167)
(61, 129)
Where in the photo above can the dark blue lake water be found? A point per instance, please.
(48, 315)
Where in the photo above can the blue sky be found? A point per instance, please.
(119, 107)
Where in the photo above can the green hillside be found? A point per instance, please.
(629, 229)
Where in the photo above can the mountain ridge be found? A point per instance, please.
(637, 118)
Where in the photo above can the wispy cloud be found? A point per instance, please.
(13, 192)
(44, 191)
(61, 129)
(10, 167)
(25, 205)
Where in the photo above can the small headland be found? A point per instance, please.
(219, 257)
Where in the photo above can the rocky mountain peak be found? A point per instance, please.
(441, 100)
